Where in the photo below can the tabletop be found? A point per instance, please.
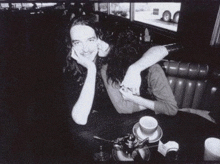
(188, 130)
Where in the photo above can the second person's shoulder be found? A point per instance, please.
(155, 68)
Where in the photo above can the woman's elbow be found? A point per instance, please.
(124, 110)
(80, 120)
(173, 111)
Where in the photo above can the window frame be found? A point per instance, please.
(215, 39)
(159, 30)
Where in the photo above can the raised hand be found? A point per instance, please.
(103, 48)
(132, 80)
(85, 62)
(127, 94)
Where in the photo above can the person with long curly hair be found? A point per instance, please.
(155, 91)
(84, 61)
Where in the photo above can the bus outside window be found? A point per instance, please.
(166, 11)
(120, 9)
(103, 7)
(164, 15)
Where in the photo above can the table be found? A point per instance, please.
(189, 130)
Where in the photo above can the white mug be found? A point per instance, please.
(212, 149)
(148, 125)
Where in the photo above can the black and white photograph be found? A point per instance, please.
(87, 81)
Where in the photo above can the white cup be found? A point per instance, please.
(148, 125)
(212, 149)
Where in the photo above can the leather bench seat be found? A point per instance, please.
(194, 85)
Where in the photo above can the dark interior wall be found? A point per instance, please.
(197, 22)
(196, 26)
(31, 60)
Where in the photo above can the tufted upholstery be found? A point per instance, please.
(194, 85)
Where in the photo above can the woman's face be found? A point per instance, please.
(84, 41)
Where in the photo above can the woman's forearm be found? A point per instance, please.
(158, 107)
(144, 103)
(132, 77)
(82, 107)
(150, 57)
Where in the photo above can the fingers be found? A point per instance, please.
(75, 55)
(123, 96)
(136, 91)
(74, 52)
(99, 43)
(126, 84)
(103, 48)
(123, 93)
(124, 89)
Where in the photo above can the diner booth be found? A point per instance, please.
(36, 125)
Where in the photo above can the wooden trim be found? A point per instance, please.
(108, 5)
(132, 11)
(215, 40)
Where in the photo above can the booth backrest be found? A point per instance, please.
(194, 85)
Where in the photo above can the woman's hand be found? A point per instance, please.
(132, 80)
(103, 48)
(142, 102)
(82, 60)
(127, 94)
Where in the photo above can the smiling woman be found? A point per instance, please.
(85, 48)
(84, 41)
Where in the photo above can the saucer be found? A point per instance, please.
(156, 136)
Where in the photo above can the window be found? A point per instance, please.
(16, 6)
(164, 15)
(160, 14)
(4, 6)
(103, 7)
(48, 4)
(42, 5)
(27, 5)
(120, 9)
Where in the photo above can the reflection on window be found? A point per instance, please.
(27, 5)
(16, 5)
(48, 4)
(41, 5)
(103, 7)
(4, 5)
(164, 15)
(120, 9)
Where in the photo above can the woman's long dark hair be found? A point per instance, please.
(72, 68)
(125, 52)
